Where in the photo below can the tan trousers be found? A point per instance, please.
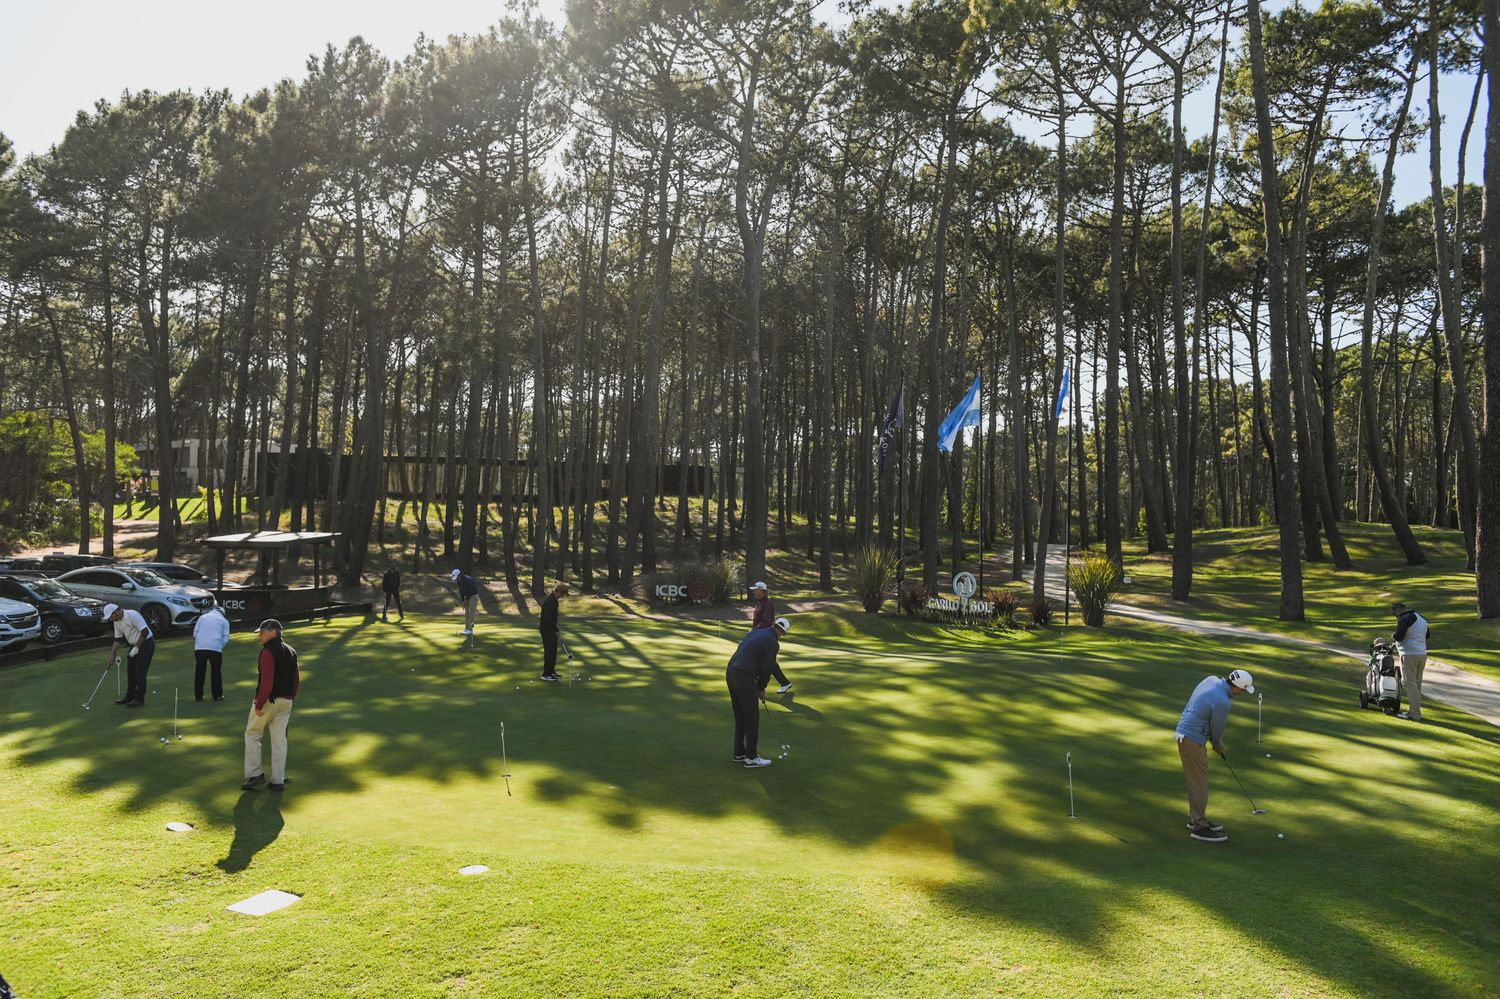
(1195, 770)
(275, 716)
(471, 607)
(1411, 673)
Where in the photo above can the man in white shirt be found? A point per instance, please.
(210, 635)
(1411, 632)
(131, 630)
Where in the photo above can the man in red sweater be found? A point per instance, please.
(274, 694)
(765, 617)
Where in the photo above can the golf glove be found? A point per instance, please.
(133, 652)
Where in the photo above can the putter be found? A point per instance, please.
(117, 676)
(177, 735)
(1253, 809)
(1260, 700)
(786, 749)
(1071, 813)
(98, 685)
(504, 761)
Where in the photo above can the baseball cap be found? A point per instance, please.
(270, 624)
(1242, 679)
(109, 610)
(783, 624)
(456, 573)
(761, 586)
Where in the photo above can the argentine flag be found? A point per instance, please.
(965, 414)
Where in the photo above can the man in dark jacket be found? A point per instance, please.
(549, 632)
(765, 617)
(390, 585)
(748, 673)
(468, 595)
(280, 678)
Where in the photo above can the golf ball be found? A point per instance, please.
(1268, 756)
(1281, 835)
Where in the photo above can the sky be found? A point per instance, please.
(57, 58)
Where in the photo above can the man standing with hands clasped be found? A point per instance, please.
(280, 678)
(748, 673)
(210, 635)
(131, 630)
(1202, 725)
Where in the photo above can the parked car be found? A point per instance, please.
(19, 624)
(21, 565)
(175, 571)
(161, 602)
(63, 612)
(58, 562)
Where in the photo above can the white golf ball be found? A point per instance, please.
(1268, 756)
(1281, 835)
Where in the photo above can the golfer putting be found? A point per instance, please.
(549, 630)
(747, 675)
(1202, 725)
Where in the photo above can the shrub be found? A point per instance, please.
(1006, 603)
(874, 570)
(1041, 612)
(1095, 579)
(912, 598)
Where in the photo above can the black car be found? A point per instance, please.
(64, 613)
(176, 572)
(58, 563)
(33, 565)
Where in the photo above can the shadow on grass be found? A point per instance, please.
(897, 726)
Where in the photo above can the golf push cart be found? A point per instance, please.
(1383, 682)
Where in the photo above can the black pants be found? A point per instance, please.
(388, 598)
(135, 670)
(206, 658)
(549, 653)
(745, 699)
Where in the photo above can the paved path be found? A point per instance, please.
(1476, 695)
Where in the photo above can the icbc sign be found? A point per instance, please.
(696, 591)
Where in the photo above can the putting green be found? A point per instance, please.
(915, 841)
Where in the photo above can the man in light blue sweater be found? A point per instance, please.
(1202, 725)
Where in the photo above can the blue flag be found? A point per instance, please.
(965, 414)
(1062, 394)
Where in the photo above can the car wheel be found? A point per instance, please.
(157, 619)
(53, 631)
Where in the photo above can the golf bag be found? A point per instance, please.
(1383, 683)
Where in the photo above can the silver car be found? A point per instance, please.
(161, 602)
(19, 624)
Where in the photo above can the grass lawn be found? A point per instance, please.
(916, 842)
(1237, 578)
(192, 509)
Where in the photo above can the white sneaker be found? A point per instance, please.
(468, 631)
(757, 761)
(783, 688)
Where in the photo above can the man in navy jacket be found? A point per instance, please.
(749, 671)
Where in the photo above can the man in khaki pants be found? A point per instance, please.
(1411, 632)
(280, 678)
(1202, 725)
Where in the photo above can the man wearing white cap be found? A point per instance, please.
(468, 595)
(131, 629)
(765, 617)
(748, 673)
(1202, 725)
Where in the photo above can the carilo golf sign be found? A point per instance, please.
(964, 588)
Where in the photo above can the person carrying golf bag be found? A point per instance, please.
(550, 632)
(748, 673)
(131, 630)
(1202, 725)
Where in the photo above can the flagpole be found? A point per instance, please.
(901, 499)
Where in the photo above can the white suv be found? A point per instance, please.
(19, 624)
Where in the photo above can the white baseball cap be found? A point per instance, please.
(109, 610)
(761, 586)
(456, 573)
(784, 625)
(1243, 680)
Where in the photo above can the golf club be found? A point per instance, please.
(1071, 813)
(1253, 809)
(97, 686)
(504, 761)
(1260, 700)
(786, 749)
(177, 735)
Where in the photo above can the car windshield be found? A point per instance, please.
(145, 577)
(49, 588)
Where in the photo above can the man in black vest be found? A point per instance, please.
(279, 680)
(549, 633)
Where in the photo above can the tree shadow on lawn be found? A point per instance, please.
(880, 744)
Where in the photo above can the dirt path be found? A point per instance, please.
(1457, 688)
